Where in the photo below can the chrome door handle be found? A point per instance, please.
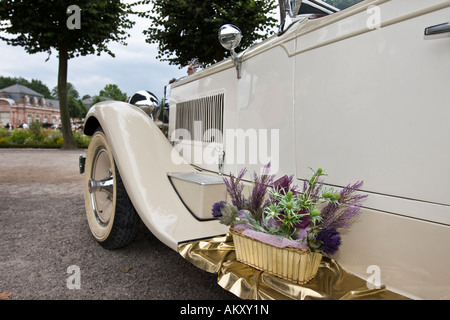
(437, 29)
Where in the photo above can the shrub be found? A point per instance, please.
(3, 133)
(18, 136)
(36, 137)
(35, 129)
(81, 139)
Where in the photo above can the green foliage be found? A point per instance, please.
(97, 99)
(81, 139)
(41, 25)
(34, 84)
(71, 91)
(36, 137)
(35, 129)
(112, 91)
(76, 107)
(185, 30)
(3, 132)
(18, 136)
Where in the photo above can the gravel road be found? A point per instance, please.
(45, 243)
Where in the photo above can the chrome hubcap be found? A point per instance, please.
(101, 187)
(105, 185)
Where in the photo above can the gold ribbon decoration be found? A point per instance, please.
(217, 255)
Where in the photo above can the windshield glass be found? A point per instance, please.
(341, 4)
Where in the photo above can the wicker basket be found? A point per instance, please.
(296, 265)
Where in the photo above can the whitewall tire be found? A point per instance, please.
(112, 219)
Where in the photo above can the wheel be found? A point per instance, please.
(112, 219)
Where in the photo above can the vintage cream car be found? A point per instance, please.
(362, 92)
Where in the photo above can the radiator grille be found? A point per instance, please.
(202, 117)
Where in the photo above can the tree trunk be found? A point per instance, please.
(69, 141)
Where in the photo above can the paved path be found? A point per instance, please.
(43, 232)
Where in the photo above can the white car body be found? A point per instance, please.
(362, 93)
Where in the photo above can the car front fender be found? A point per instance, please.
(144, 158)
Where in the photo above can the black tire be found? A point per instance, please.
(111, 216)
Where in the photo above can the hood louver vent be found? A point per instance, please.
(202, 117)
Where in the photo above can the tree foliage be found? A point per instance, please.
(34, 84)
(112, 91)
(76, 107)
(43, 26)
(185, 29)
(71, 91)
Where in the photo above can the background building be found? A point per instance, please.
(19, 104)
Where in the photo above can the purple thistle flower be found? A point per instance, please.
(304, 221)
(331, 240)
(284, 183)
(216, 209)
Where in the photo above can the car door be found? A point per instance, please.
(371, 103)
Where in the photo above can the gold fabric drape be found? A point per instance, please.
(217, 255)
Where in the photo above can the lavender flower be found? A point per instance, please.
(256, 201)
(234, 188)
(331, 240)
(341, 214)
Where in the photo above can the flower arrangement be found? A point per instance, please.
(283, 215)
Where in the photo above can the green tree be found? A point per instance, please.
(112, 91)
(34, 84)
(97, 99)
(76, 107)
(40, 87)
(185, 29)
(71, 30)
(71, 91)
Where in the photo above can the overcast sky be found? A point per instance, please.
(134, 68)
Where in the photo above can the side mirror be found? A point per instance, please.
(230, 37)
